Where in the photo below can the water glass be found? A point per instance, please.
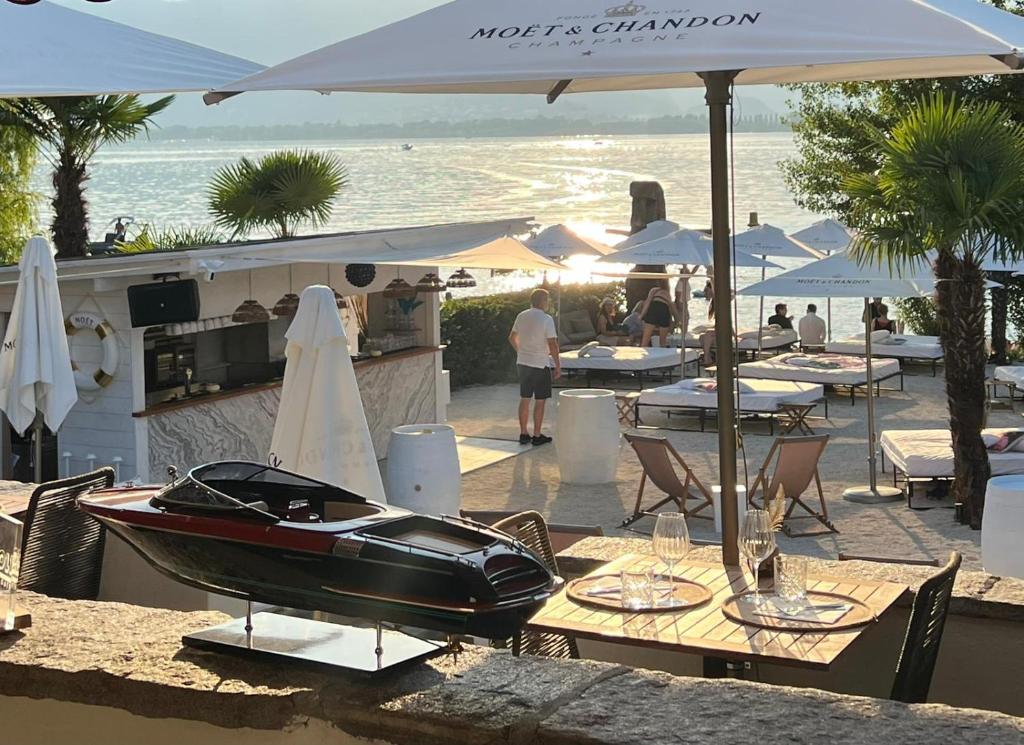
(637, 588)
(791, 578)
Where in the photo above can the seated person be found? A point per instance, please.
(609, 330)
(780, 318)
(812, 328)
(634, 324)
(883, 322)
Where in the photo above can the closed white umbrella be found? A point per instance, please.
(560, 241)
(536, 46)
(321, 428)
(50, 50)
(680, 247)
(37, 382)
(841, 276)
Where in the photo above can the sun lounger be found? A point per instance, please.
(829, 370)
(1010, 377)
(622, 363)
(772, 340)
(902, 347)
(927, 455)
(766, 399)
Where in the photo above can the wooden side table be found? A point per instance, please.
(626, 404)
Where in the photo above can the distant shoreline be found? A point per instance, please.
(504, 128)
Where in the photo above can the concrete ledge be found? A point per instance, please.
(130, 659)
(976, 594)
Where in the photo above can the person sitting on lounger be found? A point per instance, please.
(780, 318)
(883, 322)
(812, 328)
(609, 331)
(634, 324)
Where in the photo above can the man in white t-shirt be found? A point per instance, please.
(812, 328)
(536, 343)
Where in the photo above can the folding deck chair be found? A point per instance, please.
(654, 454)
(793, 462)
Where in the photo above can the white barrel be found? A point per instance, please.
(587, 439)
(423, 473)
(1002, 525)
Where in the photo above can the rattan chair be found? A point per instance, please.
(924, 635)
(532, 530)
(62, 547)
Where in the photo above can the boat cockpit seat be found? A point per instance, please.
(262, 506)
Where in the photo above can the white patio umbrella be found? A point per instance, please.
(536, 46)
(767, 240)
(560, 241)
(653, 231)
(840, 276)
(321, 428)
(680, 247)
(51, 50)
(37, 382)
(827, 236)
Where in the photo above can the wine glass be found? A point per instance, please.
(671, 542)
(757, 543)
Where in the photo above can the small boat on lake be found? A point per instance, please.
(251, 531)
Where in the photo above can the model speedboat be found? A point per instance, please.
(258, 533)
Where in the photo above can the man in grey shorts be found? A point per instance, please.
(535, 340)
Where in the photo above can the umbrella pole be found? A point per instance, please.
(37, 449)
(760, 317)
(828, 302)
(872, 493)
(718, 99)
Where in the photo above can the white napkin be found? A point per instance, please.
(809, 613)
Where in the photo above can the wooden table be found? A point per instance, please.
(704, 630)
(14, 497)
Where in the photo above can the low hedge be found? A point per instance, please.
(476, 329)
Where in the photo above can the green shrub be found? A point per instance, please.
(918, 315)
(476, 330)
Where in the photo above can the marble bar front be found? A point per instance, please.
(396, 389)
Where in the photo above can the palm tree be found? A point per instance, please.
(950, 187)
(70, 130)
(278, 192)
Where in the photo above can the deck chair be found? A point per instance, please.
(656, 454)
(62, 547)
(790, 468)
(530, 528)
(924, 635)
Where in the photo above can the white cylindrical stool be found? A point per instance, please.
(587, 440)
(1002, 552)
(741, 504)
(423, 473)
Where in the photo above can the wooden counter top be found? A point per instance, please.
(206, 398)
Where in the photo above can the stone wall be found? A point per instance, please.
(82, 659)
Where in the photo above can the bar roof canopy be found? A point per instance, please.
(50, 50)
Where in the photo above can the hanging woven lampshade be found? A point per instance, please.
(398, 288)
(431, 283)
(288, 305)
(461, 279)
(250, 311)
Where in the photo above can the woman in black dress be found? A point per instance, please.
(658, 314)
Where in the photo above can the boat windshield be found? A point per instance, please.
(191, 495)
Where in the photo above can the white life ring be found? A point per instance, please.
(104, 375)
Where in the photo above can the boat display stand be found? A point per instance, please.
(363, 651)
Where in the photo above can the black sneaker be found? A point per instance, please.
(524, 439)
(541, 440)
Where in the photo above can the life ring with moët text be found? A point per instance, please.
(104, 375)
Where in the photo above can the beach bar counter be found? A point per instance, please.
(155, 393)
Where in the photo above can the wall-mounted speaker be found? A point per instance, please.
(160, 303)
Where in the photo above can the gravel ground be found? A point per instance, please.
(531, 480)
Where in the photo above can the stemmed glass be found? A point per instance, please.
(671, 544)
(757, 543)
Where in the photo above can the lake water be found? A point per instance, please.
(580, 181)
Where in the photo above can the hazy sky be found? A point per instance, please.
(271, 31)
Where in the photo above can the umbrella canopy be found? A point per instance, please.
(321, 428)
(35, 364)
(50, 50)
(653, 231)
(767, 240)
(558, 241)
(827, 236)
(535, 46)
(680, 247)
(840, 276)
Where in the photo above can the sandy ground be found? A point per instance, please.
(531, 480)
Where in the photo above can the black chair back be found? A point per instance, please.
(62, 547)
(924, 635)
